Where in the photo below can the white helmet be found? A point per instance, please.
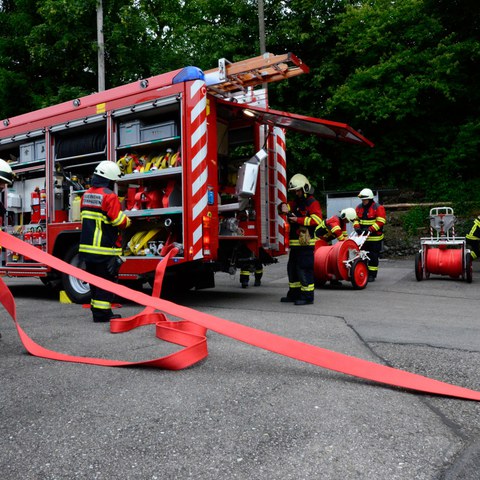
(107, 169)
(299, 181)
(6, 173)
(348, 214)
(366, 194)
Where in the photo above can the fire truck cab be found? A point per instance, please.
(204, 169)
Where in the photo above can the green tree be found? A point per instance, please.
(16, 73)
(413, 81)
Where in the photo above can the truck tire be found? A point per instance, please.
(77, 290)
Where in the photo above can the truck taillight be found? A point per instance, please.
(206, 233)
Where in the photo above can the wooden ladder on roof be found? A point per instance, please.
(230, 78)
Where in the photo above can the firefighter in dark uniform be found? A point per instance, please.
(335, 227)
(304, 214)
(6, 178)
(100, 248)
(473, 239)
(371, 219)
(256, 267)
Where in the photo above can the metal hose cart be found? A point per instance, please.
(443, 253)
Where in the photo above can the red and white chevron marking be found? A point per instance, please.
(198, 174)
(281, 169)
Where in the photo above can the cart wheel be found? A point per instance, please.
(468, 268)
(359, 274)
(418, 267)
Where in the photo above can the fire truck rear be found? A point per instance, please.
(204, 170)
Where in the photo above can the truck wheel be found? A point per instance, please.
(77, 290)
(359, 274)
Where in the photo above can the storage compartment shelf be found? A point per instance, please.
(148, 257)
(152, 212)
(151, 174)
(30, 166)
(162, 141)
(75, 157)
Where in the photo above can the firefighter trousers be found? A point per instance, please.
(101, 303)
(474, 246)
(373, 248)
(301, 280)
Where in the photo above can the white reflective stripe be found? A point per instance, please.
(199, 207)
(198, 109)
(200, 132)
(281, 170)
(280, 150)
(199, 182)
(199, 157)
(197, 234)
(196, 86)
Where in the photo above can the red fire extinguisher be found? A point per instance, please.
(35, 205)
(43, 204)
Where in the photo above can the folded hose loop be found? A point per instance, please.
(190, 330)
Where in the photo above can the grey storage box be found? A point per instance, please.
(27, 152)
(40, 152)
(158, 132)
(129, 132)
(247, 179)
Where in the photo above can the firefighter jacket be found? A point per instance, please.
(474, 233)
(101, 217)
(371, 218)
(309, 216)
(331, 229)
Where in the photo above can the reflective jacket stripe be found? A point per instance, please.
(472, 235)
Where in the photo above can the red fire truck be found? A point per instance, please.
(204, 163)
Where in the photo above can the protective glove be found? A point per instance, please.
(113, 266)
(359, 231)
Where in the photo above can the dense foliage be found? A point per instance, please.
(404, 72)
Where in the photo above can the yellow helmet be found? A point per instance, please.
(366, 194)
(299, 181)
(348, 214)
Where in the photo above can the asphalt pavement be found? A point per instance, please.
(245, 413)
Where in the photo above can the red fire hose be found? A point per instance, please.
(190, 333)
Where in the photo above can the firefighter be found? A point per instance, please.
(256, 268)
(304, 214)
(473, 239)
(335, 227)
(100, 248)
(371, 219)
(6, 179)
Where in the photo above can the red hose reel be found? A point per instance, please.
(341, 261)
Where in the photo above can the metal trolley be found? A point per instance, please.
(443, 253)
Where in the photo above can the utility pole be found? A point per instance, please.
(101, 47)
(261, 27)
(261, 34)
